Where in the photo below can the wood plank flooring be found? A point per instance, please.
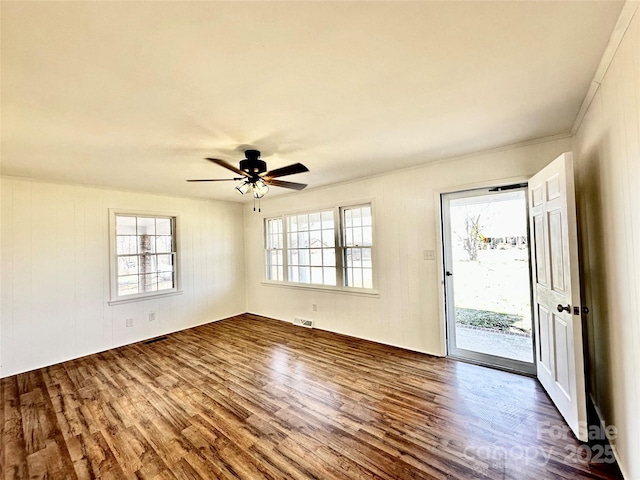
(249, 397)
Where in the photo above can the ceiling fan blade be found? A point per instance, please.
(283, 184)
(288, 170)
(216, 180)
(228, 166)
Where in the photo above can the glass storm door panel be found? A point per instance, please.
(487, 278)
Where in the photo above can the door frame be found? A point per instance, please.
(440, 260)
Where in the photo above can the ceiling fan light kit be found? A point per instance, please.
(259, 188)
(244, 187)
(255, 177)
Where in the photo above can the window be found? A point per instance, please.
(144, 256)
(311, 251)
(274, 241)
(329, 248)
(357, 239)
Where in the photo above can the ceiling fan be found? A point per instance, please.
(255, 177)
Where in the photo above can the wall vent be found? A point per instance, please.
(303, 323)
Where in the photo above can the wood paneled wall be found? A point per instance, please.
(607, 152)
(406, 312)
(55, 271)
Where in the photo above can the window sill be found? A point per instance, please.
(145, 297)
(322, 288)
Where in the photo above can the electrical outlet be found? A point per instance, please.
(314, 307)
(429, 254)
(152, 316)
(129, 322)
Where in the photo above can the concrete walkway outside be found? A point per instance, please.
(517, 347)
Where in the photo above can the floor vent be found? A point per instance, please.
(303, 323)
(154, 340)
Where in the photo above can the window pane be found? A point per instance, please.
(126, 245)
(366, 216)
(128, 285)
(356, 257)
(348, 275)
(163, 226)
(303, 239)
(292, 224)
(328, 238)
(148, 283)
(293, 274)
(314, 221)
(165, 263)
(348, 237)
(329, 257)
(304, 274)
(147, 264)
(316, 257)
(367, 278)
(127, 265)
(357, 236)
(316, 275)
(125, 225)
(146, 244)
(165, 281)
(366, 257)
(163, 244)
(303, 257)
(357, 277)
(367, 236)
(293, 257)
(348, 260)
(146, 226)
(329, 276)
(315, 239)
(357, 217)
(347, 218)
(293, 240)
(327, 219)
(303, 222)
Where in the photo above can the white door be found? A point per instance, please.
(556, 290)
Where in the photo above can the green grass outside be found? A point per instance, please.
(501, 322)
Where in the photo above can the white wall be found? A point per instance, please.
(407, 312)
(607, 151)
(55, 271)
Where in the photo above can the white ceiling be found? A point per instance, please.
(133, 95)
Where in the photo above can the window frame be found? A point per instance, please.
(116, 299)
(340, 249)
(344, 248)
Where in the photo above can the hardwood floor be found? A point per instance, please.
(250, 397)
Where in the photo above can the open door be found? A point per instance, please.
(556, 290)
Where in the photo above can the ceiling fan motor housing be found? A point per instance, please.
(252, 164)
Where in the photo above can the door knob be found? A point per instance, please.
(564, 309)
